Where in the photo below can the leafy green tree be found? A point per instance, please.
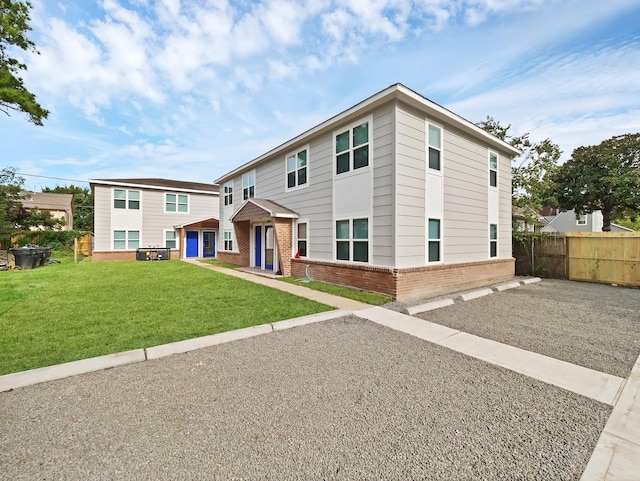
(14, 217)
(82, 205)
(532, 170)
(603, 177)
(14, 25)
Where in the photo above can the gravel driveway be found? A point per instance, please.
(342, 399)
(592, 325)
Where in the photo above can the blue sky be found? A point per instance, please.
(189, 90)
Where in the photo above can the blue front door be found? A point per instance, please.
(192, 243)
(208, 244)
(258, 251)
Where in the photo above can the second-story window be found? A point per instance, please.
(248, 185)
(352, 148)
(435, 147)
(228, 193)
(493, 169)
(126, 199)
(176, 203)
(297, 169)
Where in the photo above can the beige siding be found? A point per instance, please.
(102, 218)
(410, 187)
(382, 248)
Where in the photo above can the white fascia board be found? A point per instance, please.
(152, 187)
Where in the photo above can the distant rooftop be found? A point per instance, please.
(159, 184)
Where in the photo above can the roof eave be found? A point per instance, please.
(396, 91)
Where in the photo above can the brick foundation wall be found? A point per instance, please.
(230, 257)
(282, 229)
(243, 245)
(410, 283)
(98, 256)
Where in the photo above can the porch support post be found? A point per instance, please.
(283, 232)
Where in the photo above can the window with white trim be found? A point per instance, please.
(126, 199)
(176, 203)
(434, 242)
(296, 166)
(302, 234)
(248, 185)
(581, 220)
(435, 147)
(171, 239)
(228, 241)
(126, 239)
(352, 148)
(352, 240)
(493, 169)
(228, 193)
(493, 240)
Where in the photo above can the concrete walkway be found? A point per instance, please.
(321, 297)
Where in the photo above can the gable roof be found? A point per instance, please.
(396, 91)
(258, 208)
(159, 184)
(47, 201)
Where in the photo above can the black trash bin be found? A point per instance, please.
(39, 253)
(26, 257)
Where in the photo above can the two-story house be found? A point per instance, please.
(146, 213)
(396, 195)
(556, 220)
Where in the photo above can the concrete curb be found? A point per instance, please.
(179, 347)
(467, 296)
(429, 306)
(83, 366)
(531, 280)
(60, 371)
(507, 286)
(303, 321)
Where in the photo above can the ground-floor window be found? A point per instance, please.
(433, 246)
(302, 239)
(171, 239)
(493, 240)
(228, 241)
(126, 239)
(352, 240)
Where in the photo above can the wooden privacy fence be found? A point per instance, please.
(607, 257)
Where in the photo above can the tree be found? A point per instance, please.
(603, 177)
(14, 217)
(82, 205)
(533, 169)
(14, 25)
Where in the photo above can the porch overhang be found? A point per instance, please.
(253, 209)
(208, 223)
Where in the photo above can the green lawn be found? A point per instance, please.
(64, 312)
(355, 294)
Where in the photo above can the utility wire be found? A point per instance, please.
(54, 178)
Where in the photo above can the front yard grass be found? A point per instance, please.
(355, 294)
(65, 312)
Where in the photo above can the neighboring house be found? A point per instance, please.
(396, 195)
(526, 223)
(146, 213)
(60, 206)
(558, 221)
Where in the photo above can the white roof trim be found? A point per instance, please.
(397, 91)
(152, 187)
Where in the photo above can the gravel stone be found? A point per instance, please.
(592, 325)
(339, 400)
